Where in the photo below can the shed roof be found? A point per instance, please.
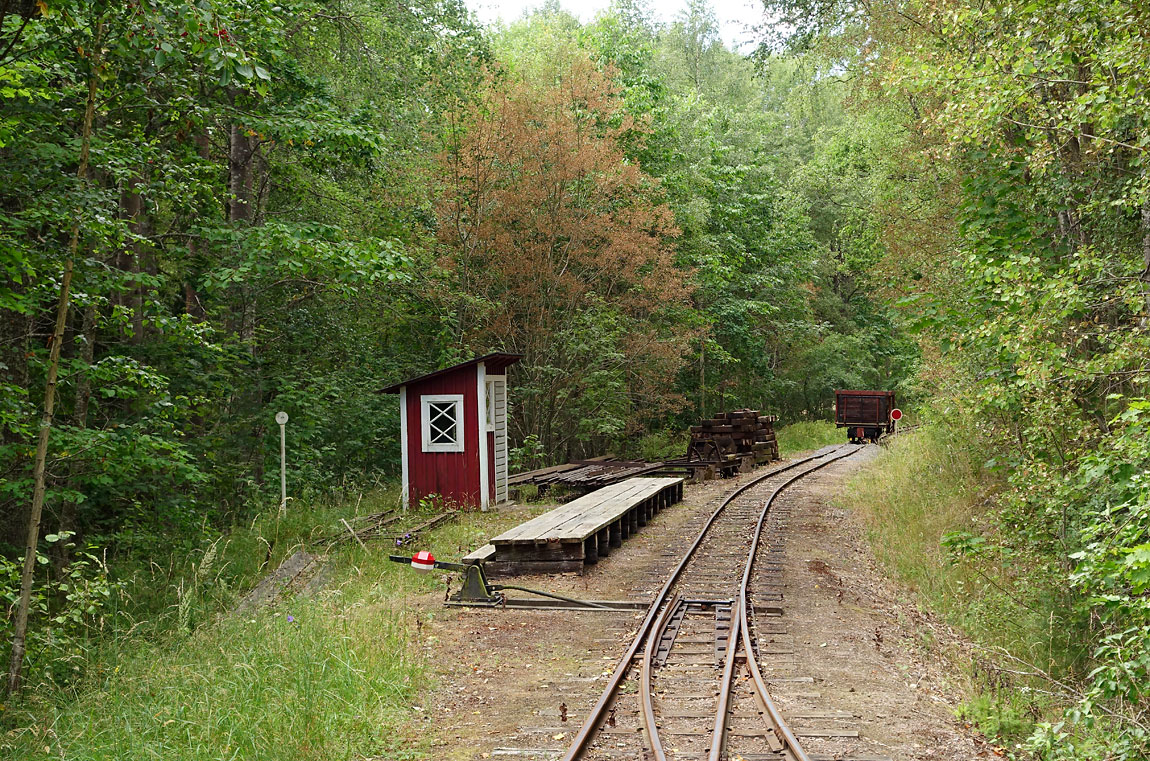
(495, 363)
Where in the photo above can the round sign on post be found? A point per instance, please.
(896, 414)
(282, 418)
(423, 561)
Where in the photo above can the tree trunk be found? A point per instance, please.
(132, 208)
(1146, 263)
(20, 632)
(703, 378)
(240, 151)
(68, 520)
(192, 304)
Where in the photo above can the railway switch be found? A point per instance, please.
(476, 589)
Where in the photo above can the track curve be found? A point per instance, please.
(704, 583)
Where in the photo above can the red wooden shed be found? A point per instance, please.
(453, 432)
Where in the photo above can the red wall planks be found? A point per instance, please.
(452, 475)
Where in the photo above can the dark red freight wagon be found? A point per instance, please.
(865, 414)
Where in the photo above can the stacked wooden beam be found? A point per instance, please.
(731, 437)
(551, 474)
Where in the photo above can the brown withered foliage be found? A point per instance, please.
(544, 219)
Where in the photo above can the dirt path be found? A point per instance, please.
(517, 684)
(860, 650)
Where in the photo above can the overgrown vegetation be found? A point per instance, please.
(316, 680)
(326, 676)
(934, 507)
(806, 435)
(1015, 210)
(236, 207)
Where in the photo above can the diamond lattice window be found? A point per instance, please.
(443, 423)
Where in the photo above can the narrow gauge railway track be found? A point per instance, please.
(696, 639)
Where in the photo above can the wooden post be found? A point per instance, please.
(604, 539)
(282, 418)
(591, 550)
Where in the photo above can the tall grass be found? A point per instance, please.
(337, 681)
(178, 587)
(924, 486)
(333, 682)
(928, 484)
(807, 435)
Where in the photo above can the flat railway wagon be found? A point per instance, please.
(865, 414)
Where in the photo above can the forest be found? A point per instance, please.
(212, 210)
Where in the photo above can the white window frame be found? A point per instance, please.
(425, 402)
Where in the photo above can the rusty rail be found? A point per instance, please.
(599, 712)
(743, 604)
(719, 735)
(650, 631)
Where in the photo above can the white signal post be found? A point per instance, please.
(282, 418)
(896, 415)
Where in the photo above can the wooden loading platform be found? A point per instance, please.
(580, 532)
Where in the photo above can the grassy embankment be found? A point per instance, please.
(330, 677)
(924, 486)
(802, 437)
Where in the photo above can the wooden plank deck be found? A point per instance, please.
(480, 556)
(588, 477)
(544, 528)
(585, 475)
(583, 530)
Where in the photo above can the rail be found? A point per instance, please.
(661, 611)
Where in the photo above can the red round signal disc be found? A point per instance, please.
(423, 561)
(896, 414)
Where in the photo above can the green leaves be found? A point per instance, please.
(307, 255)
(963, 544)
(1017, 209)
(1138, 567)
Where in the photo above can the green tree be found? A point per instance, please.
(1014, 214)
(246, 202)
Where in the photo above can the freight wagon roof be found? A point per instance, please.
(863, 393)
(495, 363)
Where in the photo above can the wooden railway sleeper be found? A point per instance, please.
(651, 630)
(722, 631)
